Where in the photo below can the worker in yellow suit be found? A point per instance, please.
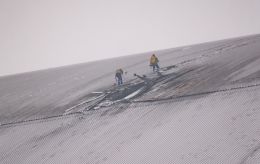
(154, 63)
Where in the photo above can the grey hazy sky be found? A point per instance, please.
(37, 34)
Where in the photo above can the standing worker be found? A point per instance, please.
(154, 63)
(118, 76)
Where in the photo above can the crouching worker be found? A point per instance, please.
(118, 76)
(154, 63)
